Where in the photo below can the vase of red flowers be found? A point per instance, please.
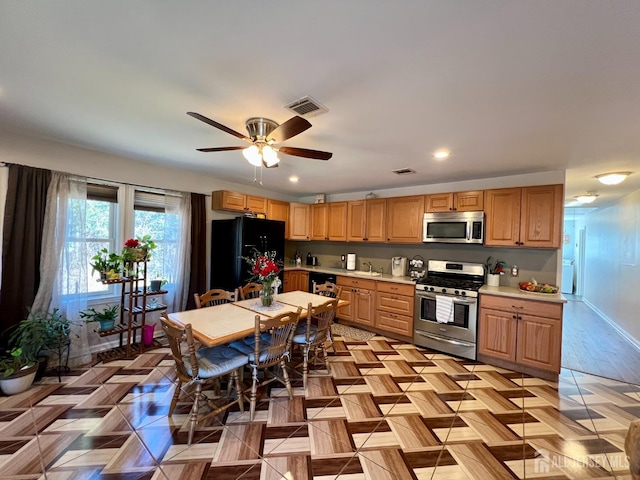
(264, 268)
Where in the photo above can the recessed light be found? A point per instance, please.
(293, 179)
(586, 198)
(613, 178)
(441, 154)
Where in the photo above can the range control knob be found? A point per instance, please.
(432, 289)
(457, 292)
(463, 293)
(444, 290)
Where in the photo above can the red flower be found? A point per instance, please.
(132, 243)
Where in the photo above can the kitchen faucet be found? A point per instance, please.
(370, 266)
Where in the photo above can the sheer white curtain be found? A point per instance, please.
(177, 238)
(63, 264)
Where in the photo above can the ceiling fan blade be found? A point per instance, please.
(219, 149)
(305, 152)
(290, 128)
(219, 126)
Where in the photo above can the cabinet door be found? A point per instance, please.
(299, 221)
(303, 281)
(356, 220)
(541, 216)
(346, 312)
(363, 313)
(438, 202)
(404, 219)
(502, 224)
(319, 218)
(539, 342)
(256, 204)
(287, 281)
(376, 220)
(337, 221)
(277, 210)
(468, 201)
(497, 334)
(226, 200)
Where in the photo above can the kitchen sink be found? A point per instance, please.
(366, 274)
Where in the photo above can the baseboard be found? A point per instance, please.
(613, 324)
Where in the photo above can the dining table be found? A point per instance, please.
(221, 324)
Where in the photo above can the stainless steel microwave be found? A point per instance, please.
(453, 227)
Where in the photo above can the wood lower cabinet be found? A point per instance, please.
(404, 219)
(295, 280)
(394, 307)
(361, 297)
(529, 217)
(524, 335)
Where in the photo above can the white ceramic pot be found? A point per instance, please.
(19, 382)
(493, 280)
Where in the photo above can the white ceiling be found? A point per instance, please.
(510, 87)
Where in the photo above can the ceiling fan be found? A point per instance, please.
(263, 135)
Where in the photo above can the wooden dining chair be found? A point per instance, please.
(216, 296)
(250, 290)
(202, 367)
(313, 334)
(327, 289)
(270, 346)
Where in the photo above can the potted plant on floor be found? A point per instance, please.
(107, 316)
(17, 371)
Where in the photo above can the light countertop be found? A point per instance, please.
(385, 277)
(513, 292)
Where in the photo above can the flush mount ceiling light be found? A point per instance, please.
(293, 179)
(613, 178)
(442, 154)
(586, 198)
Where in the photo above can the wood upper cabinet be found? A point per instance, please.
(277, 210)
(366, 220)
(458, 201)
(329, 221)
(404, 219)
(299, 221)
(529, 217)
(522, 332)
(237, 202)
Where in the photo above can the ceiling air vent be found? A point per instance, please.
(307, 107)
(403, 171)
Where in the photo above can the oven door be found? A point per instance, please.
(463, 327)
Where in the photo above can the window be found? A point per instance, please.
(101, 215)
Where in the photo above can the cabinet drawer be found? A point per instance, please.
(529, 307)
(398, 288)
(402, 324)
(356, 282)
(401, 304)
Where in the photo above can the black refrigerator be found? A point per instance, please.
(236, 238)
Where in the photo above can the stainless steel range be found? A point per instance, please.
(446, 309)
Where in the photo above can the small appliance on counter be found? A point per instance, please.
(312, 261)
(417, 268)
(398, 266)
(351, 261)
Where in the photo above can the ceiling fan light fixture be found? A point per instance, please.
(270, 156)
(253, 156)
(613, 178)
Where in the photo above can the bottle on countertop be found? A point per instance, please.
(298, 259)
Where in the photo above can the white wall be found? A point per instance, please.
(612, 267)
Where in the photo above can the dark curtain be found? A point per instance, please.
(198, 278)
(22, 242)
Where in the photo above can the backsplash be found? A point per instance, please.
(538, 263)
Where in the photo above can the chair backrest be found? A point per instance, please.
(327, 289)
(279, 330)
(322, 316)
(182, 345)
(215, 296)
(250, 290)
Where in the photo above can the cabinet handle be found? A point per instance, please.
(515, 317)
(515, 306)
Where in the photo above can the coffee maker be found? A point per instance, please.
(398, 266)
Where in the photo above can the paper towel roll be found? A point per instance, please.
(351, 261)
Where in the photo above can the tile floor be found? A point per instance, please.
(387, 410)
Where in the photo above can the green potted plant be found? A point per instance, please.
(107, 264)
(17, 371)
(107, 316)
